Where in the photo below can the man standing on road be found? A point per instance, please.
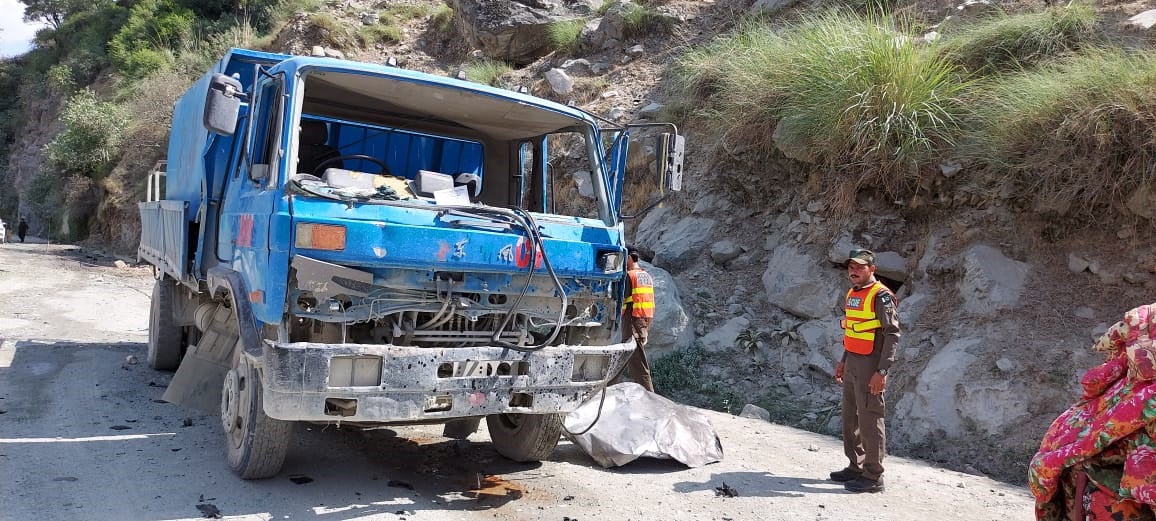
(637, 312)
(870, 333)
(22, 229)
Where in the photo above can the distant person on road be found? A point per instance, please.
(22, 229)
(637, 313)
(870, 333)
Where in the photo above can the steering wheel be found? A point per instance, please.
(321, 166)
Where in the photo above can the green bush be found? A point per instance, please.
(442, 18)
(1007, 42)
(639, 20)
(487, 71)
(153, 27)
(1074, 135)
(92, 137)
(379, 33)
(331, 32)
(564, 36)
(852, 95)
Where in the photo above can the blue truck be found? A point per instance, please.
(358, 244)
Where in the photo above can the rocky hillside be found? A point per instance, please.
(999, 303)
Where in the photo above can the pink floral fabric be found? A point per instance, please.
(1113, 424)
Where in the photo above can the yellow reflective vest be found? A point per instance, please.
(861, 323)
(641, 294)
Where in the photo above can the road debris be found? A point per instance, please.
(300, 479)
(120, 427)
(399, 484)
(209, 510)
(725, 491)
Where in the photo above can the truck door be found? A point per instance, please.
(251, 197)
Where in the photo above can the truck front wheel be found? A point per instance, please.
(525, 437)
(256, 443)
(164, 350)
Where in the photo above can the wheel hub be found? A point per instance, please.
(230, 398)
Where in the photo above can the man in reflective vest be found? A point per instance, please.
(870, 333)
(637, 312)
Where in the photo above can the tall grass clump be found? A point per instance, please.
(639, 20)
(1005, 42)
(442, 18)
(487, 71)
(1076, 135)
(564, 35)
(851, 95)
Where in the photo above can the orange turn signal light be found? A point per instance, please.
(320, 237)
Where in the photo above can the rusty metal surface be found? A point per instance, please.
(296, 381)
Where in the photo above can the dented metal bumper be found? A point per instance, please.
(388, 383)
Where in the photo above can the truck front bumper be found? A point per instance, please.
(387, 383)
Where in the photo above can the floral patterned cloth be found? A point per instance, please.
(1108, 434)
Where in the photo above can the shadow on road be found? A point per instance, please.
(762, 484)
(84, 428)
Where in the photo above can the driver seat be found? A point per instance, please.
(313, 147)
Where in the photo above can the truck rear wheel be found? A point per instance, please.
(525, 437)
(256, 443)
(164, 349)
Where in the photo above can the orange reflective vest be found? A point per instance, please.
(641, 294)
(861, 323)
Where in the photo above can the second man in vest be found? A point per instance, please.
(638, 311)
(870, 333)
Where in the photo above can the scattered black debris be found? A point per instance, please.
(209, 510)
(65, 478)
(566, 518)
(187, 423)
(300, 479)
(153, 384)
(2, 411)
(399, 484)
(178, 449)
(725, 491)
(130, 421)
(120, 427)
(159, 401)
(568, 498)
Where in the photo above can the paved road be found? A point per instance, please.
(85, 436)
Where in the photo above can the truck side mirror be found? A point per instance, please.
(669, 150)
(223, 104)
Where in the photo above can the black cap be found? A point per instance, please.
(859, 256)
(633, 252)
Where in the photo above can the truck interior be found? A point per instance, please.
(416, 138)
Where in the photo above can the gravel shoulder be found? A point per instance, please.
(85, 436)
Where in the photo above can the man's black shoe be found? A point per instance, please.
(845, 475)
(862, 484)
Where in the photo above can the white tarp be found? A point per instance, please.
(636, 423)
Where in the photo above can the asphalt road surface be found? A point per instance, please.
(85, 436)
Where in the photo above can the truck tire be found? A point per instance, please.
(525, 437)
(164, 350)
(256, 444)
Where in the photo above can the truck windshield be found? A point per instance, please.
(383, 138)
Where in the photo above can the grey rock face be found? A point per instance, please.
(753, 411)
(560, 82)
(671, 329)
(799, 284)
(991, 281)
(510, 31)
(724, 251)
(683, 242)
(725, 336)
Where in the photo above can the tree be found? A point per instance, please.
(52, 12)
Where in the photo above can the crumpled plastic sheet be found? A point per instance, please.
(637, 423)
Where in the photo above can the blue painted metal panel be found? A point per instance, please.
(391, 236)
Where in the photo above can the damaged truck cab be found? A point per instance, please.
(358, 243)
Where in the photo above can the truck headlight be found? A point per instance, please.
(589, 368)
(610, 262)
